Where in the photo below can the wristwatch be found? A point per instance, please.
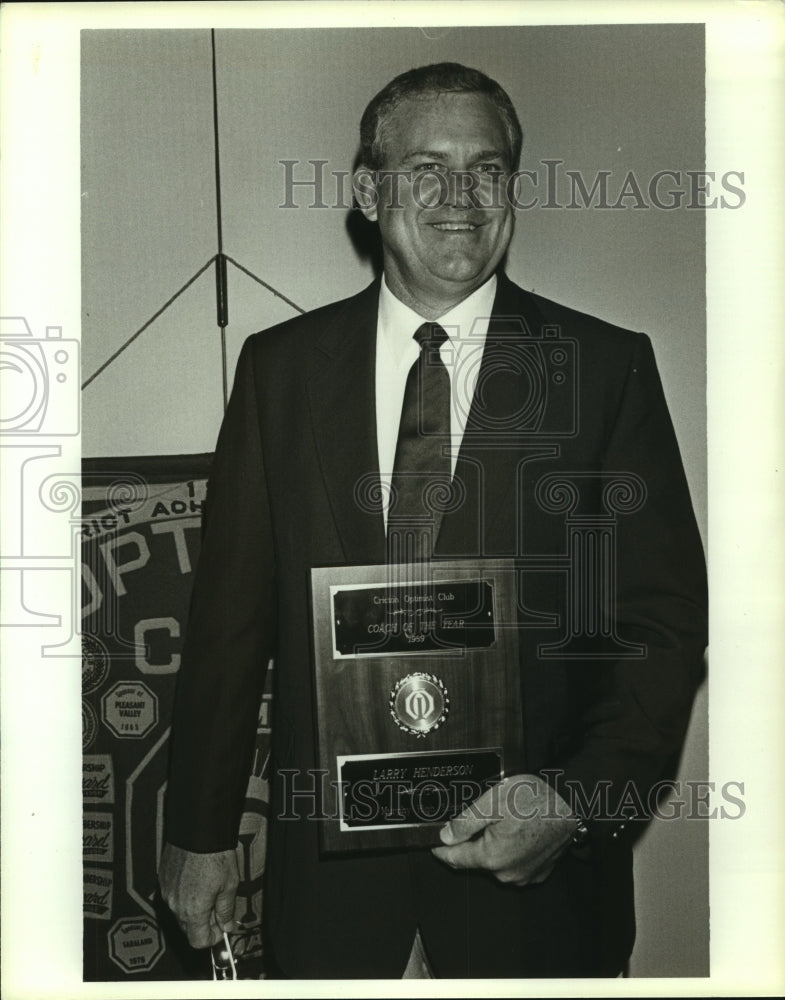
(582, 833)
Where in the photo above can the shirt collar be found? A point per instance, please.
(397, 322)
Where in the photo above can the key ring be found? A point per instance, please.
(223, 960)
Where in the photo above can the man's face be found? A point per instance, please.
(441, 241)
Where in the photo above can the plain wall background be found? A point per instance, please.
(615, 98)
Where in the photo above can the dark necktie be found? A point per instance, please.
(422, 469)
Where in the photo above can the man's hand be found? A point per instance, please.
(517, 830)
(200, 890)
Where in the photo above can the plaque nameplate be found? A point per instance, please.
(381, 791)
(379, 621)
(418, 701)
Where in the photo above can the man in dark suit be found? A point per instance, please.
(558, 441)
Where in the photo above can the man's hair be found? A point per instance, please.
(425, 81)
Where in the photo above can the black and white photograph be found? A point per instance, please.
(383, 457)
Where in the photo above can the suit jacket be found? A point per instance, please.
(298, 436)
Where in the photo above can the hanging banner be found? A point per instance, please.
(141, 529)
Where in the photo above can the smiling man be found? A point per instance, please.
(440, 198)
(535, 422)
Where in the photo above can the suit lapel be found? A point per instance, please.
(341, 394)
(494, 446)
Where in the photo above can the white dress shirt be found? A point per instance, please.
(466, 326)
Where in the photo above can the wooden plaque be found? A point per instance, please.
(418, 695)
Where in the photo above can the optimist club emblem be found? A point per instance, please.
(95, 663)
(419, 703)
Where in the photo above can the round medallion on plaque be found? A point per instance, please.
(419, 703)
